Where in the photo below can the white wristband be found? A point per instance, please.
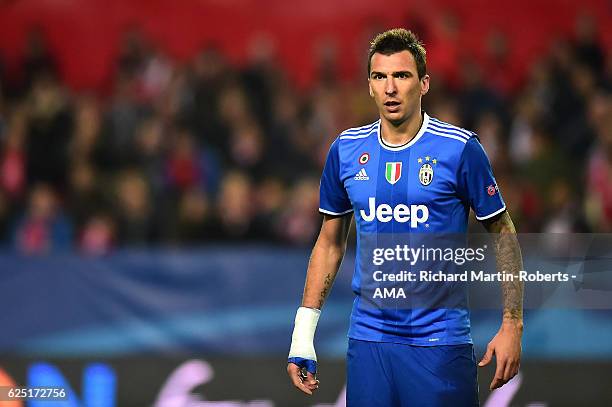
(302, 340)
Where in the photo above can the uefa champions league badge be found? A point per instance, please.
(426, 173)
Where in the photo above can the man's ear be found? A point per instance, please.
(425, 85)
(370, 88)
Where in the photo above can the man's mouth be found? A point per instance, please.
(392, 105)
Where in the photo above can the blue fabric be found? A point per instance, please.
(333, 198)
(309, 364)
(435, 179)
(477, 184)
(383, 374)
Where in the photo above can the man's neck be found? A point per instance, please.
(403, 133)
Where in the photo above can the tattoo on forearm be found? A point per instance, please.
(325, 260)
(509, 260)
(326, 287)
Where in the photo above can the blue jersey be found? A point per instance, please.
(425, 186)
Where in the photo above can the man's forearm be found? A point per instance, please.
(322, 269)
(509, 260)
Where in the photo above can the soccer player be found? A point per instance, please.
(406, 173)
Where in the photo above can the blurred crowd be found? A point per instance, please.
(205, 151)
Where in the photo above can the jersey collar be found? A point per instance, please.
(419, 134)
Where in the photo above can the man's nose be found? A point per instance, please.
(390, 87)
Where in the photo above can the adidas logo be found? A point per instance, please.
(362, 175)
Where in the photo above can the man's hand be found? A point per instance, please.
(302, 378)
(506, 346)
(302, 361)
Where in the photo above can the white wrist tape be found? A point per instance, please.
(302, 340)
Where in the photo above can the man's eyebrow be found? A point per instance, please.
(392, 73)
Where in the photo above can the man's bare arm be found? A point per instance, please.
(323, 266)
(506, 345)
(325, 260)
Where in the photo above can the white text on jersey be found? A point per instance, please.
(362, 175)
(416, 214)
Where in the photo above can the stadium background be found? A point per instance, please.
(159, 168)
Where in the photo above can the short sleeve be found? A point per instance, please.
(333, 199)
(476, 183)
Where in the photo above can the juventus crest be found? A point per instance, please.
(426, 173)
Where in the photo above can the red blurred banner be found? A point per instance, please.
(85, 36)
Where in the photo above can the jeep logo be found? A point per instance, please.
(401, 213)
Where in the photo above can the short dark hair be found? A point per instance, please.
(397, 40)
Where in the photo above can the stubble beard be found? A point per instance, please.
(400, 120)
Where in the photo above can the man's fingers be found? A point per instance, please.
(498, 379)
(294, 373)
(311, 380)
(487, 356)
(307, 384)
(511, 370)
(497, 383)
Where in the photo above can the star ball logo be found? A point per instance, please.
(426, 173)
